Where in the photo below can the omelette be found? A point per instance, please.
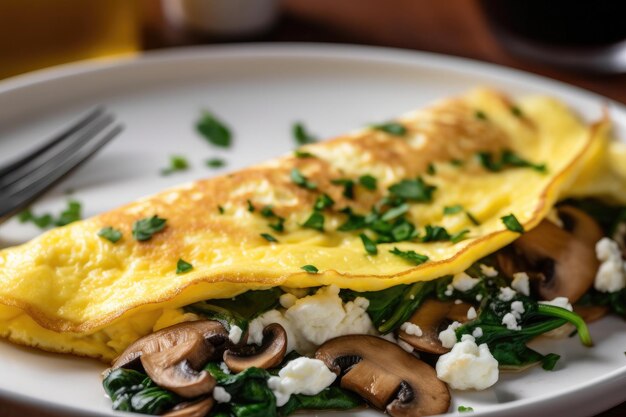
(446, 186)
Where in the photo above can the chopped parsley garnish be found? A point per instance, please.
(410, 255)
(323, 202)
(279, 225)
(456, 162)
(266, 211)
(472, 219)
(214, 130)
(480, 115)
(269, 237)
(393, 128)
(459, 236)
(549, 361)
(464, 409)
(177, 163)
(368, 182)
(144, 229)
(517, 112)
(215, 163)
(435, 234)
(250, 206)
(448, 210)
(508, 159)
(71, 214)
(315, 221)
(354, 222)
(348, 187)
(301, 135)
(311, 269)
(430, 170)
(303, 154)
(220, 209)
(370, 246)
(413, 190)
(395, 212)
(110, 234)
(182, 267)
(511, 223)
(301, 180)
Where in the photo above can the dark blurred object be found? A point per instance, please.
(588, 35)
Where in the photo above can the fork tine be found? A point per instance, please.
(60, 137)
(21, 198)
(55, 156)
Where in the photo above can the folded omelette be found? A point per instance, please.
(71, 290)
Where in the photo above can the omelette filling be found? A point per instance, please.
(280, 350)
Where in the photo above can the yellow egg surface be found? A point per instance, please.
(71, 290)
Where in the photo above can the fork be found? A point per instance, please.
(28, 177)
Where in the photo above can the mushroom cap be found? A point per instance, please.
(198, 408)
(271, 352)
(211, 330)
(385, 375)
(175, 368)
(431, 317)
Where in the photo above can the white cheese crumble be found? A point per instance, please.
(471, 313)
(221, 395)
(567, 328)
(457, 301)
(224, 368)
(562, 302)
(449, 290)
(517, 308)
(510, 322)
(448, 336)
(405, 346)
(463, 282)
(488, 271)
(411, 329)
(506, 294)
(468, 366)
(478, 332)
(611, 275)
(235, 334)
(314, 319)
(300, 376)
(479, 297)
(521, 283)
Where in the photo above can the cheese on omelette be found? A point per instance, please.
(70, 290)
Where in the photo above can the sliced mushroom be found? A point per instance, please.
(591, 313)
(271, 352)
(385, 375)
(176, 368)
(432, 317)
(562, 260)
(198, 408)
(211, 330)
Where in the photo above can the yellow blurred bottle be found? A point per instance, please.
(40, 33)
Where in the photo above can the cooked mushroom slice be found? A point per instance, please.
(591, 313)
(567, 263)
(385, 375)
(581, 225)
(198, 408)
(432, 317)
(270, 353)
(176, 368)
(211, 330)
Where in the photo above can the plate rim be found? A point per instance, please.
(295, 50)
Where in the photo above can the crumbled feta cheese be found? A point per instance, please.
(235, 334)
(287, 300)
(411, 329)
(510, 322)
(457, 301)
(224, 368)
(517, 309)
(478, 332)
(221, 395)
(471, 313)
(300, 376)
(611, 275)
(506, 294)
(562, 302)
(314, 319)
(488, 271)
(449, 290)
(463, 282)
(479, 297)
(468, 366)
(466, 337)
(404, 345)
(521, 283)
(448, 336)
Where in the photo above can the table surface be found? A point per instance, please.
(454, 27)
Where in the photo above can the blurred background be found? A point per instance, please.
(581, 42)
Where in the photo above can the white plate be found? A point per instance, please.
(260, 90)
